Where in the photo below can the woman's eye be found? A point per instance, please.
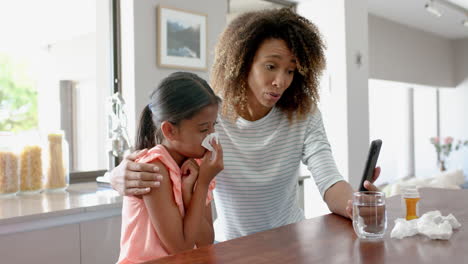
(204, 130)
(269, 67)
(290, 72)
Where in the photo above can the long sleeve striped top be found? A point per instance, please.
(258, 188)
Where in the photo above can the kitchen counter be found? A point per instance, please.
(80, 202)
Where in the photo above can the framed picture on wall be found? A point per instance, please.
(181, 39)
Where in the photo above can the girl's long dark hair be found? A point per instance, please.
(179, 96)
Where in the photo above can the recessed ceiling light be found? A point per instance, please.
(431, 9)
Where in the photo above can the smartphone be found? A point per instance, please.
(372, 157)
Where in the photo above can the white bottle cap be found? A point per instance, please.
(410, 192)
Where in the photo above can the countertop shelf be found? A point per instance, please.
(78, 199)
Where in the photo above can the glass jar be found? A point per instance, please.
(31, 175)
(9, 165)
(56, 162)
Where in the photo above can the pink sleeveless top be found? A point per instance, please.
(139, 240)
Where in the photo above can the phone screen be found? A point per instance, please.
(371, 162)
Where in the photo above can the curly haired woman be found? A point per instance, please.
(267, 68)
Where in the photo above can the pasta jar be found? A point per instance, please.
(31, 175)
(56, 162)
(9, 164)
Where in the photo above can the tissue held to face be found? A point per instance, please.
(187, 136)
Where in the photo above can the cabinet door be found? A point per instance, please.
(100, 240)
(52, 245)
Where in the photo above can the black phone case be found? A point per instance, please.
(372, 157)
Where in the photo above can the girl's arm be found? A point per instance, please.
(176, 233)
(206, 236)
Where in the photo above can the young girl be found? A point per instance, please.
(177, 215)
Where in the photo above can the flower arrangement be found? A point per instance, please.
(445, 146)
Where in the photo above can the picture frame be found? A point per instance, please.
(182, 39)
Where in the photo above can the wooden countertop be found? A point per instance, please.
(331, 239)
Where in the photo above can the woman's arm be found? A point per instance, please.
(318, 157)
(177, 233)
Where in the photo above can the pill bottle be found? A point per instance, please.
(410, 200)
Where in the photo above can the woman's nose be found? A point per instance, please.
(280, 80)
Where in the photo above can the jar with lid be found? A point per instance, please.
(31, 175)
(56, 160)
(9, 165)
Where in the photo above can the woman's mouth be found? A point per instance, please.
(274, 96)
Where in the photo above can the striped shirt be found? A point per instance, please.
(258, 188)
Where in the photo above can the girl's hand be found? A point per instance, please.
(189, 171)
(210, 168)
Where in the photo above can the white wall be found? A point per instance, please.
(140, 47)
(344, 88)
(403, 54)
(388, 122)
(454, 106)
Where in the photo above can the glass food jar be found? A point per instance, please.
(56, 162)
(9, 165)
(31, 174)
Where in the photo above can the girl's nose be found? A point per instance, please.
(211, 129)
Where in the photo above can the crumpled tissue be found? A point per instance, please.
(431, 224)
(206, 143)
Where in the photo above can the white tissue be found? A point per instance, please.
(206, 143)
(432, 224)
(404, 228)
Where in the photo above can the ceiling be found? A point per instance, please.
(408, 12)
(413, 14)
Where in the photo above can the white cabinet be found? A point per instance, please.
(51, 245)
(100, 240)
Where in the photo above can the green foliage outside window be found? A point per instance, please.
(18, 97)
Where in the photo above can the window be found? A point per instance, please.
(404, 116)
(56, 72)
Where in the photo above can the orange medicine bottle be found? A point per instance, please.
(411, 198)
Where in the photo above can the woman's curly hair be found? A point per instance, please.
(236, 49)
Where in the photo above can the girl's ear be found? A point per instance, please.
(169, 130)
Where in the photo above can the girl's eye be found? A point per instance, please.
(204, 130)
(269, 67)
(290, 72)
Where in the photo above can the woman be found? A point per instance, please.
(266, 69)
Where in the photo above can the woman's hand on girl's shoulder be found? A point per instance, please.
(133, 178)
(209, 168)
